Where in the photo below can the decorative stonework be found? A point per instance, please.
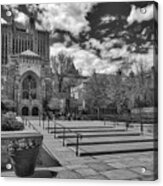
(25, 51)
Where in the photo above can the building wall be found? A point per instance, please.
(15, 67)
(16, 40)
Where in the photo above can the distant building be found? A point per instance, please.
(77, 93)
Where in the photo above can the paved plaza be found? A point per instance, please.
(118, 166)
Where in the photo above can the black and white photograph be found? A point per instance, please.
(79, 90)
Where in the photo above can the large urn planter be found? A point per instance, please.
(23, 148)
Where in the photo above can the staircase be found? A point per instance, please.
(89, 140)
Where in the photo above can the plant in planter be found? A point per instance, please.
(9, 123)
(19, 148)
(23, 153)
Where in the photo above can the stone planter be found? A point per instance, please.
(22, 147)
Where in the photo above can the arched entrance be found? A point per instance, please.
(35, 111)
(25, 111)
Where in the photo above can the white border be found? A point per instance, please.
(62, 182)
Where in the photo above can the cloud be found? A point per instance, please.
(93, 43)
(3, 21)
(116, 52)
(138, 15)
(84, 60)
(21, 18)
(65, 16)
(67, 19)
(12, 7)
(107, 19)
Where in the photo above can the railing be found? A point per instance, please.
(79, 136)
(130, 120)
(64, 131)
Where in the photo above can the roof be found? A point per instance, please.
(29, 53)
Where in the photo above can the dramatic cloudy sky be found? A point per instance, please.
(101, 36)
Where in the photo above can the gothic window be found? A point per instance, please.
(2, 48)
(17, 49)
(25, 94)
(32, 45)
(6, 50)
(23, 45)
(29, 87)
(26, 44)
(20, 45)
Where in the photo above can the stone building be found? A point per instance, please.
(25, 66)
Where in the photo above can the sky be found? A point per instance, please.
(102, 37)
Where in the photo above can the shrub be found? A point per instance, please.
(7, 105)
(10, 124)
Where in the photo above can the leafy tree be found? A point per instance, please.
(66, 74)
(63, 67)
(96, 93)
(142, 90)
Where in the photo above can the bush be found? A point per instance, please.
(8, 105)
(10, 124)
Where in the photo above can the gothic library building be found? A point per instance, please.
(25, 66)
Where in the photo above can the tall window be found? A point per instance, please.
(29, 88)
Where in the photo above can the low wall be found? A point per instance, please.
(10, 136)
(44, 159)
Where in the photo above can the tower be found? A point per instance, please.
(32, 23)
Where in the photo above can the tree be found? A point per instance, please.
(66, 74)
(96, 92)
(63, 66)
(141, 89)
(139, 86)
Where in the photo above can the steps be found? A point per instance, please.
(98, 140)
(88, 130)
(111, 142)
(117, 149)
(82, 127)
(101, 135)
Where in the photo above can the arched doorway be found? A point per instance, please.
(25, 111)
(35, 111)
(29, 87)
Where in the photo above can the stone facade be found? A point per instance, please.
(25, 66)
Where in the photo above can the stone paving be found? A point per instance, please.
(105, 167)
